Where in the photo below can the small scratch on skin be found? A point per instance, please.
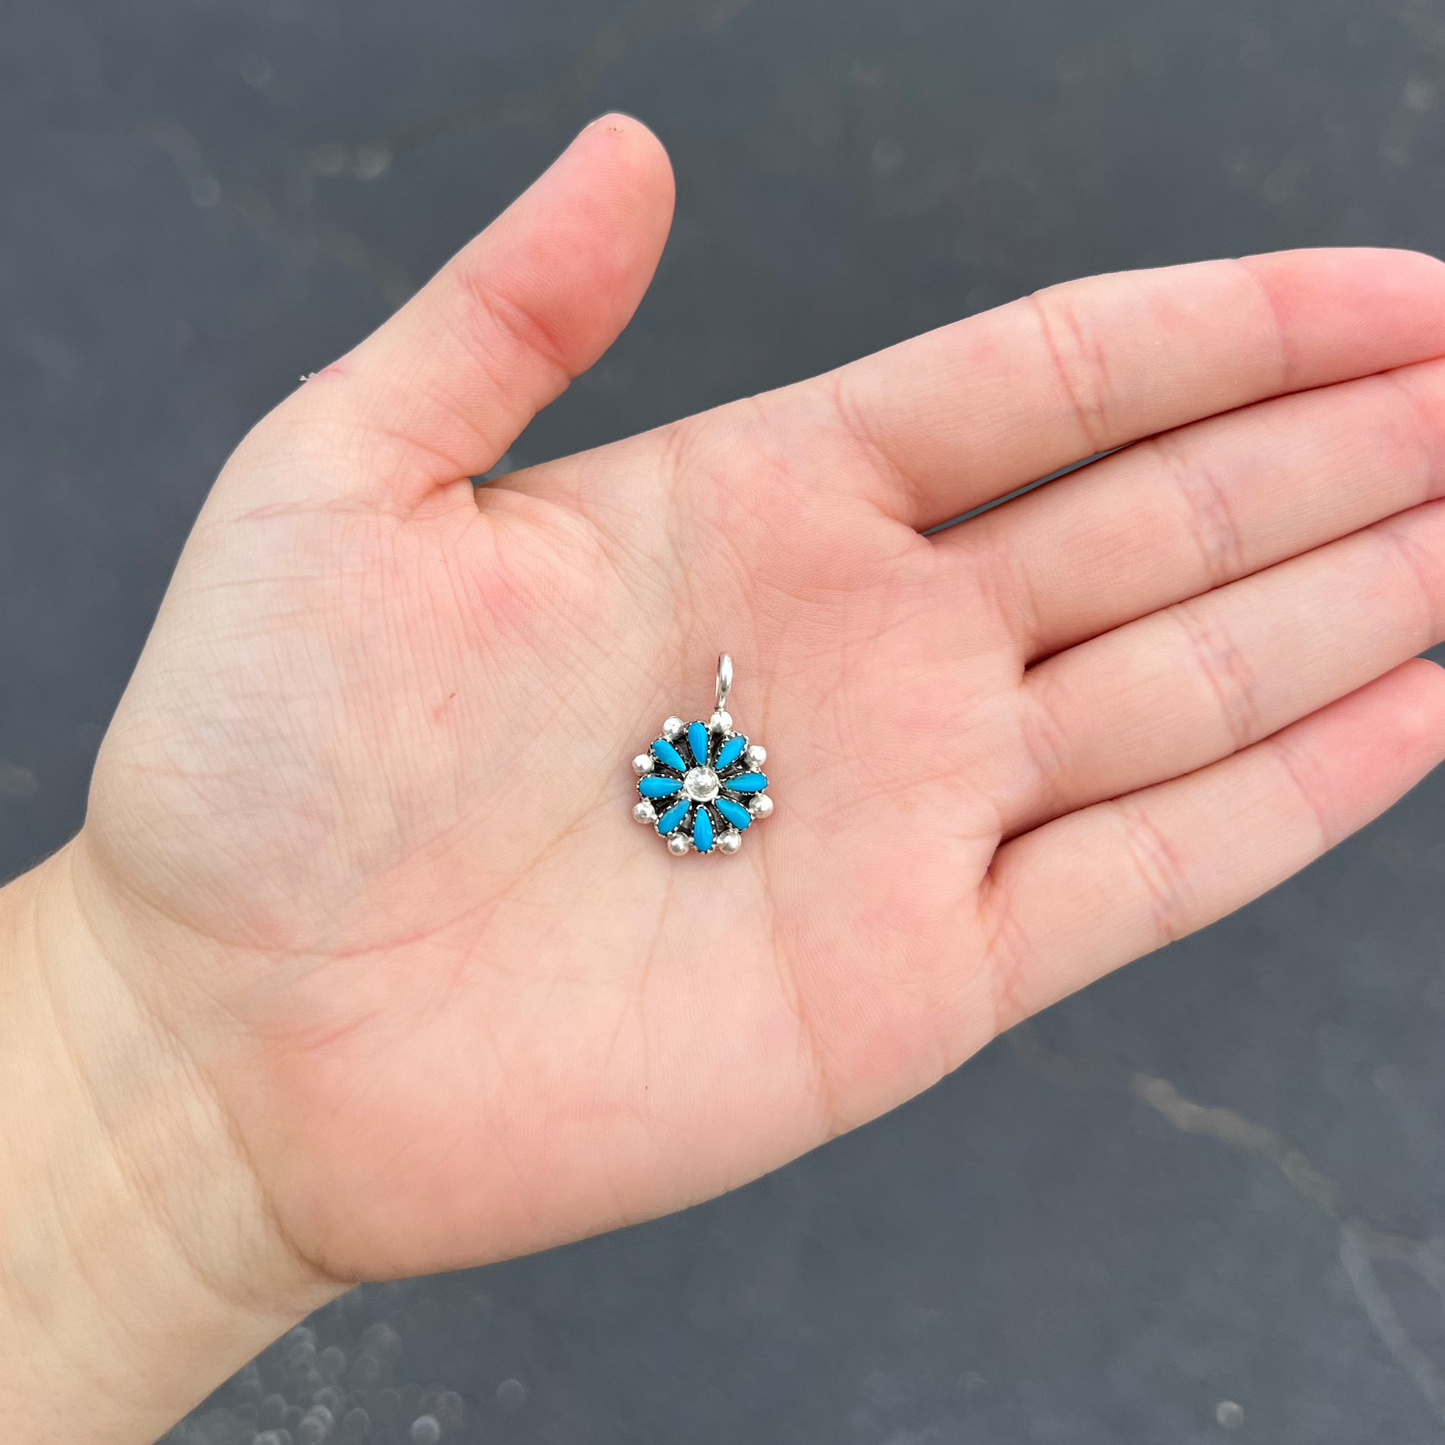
(336, 368)
(1360, 1242)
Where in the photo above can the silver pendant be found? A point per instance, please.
(700, 784)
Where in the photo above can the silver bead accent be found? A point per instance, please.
(644, 812)
(642, 764)
(730, 842)
(721, 722)
(761, 806)
(673, 729)
(756, 754)
(678, 844)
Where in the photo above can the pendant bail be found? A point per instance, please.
(724, 680)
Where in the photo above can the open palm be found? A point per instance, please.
(365, 808)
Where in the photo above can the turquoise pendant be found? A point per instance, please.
(700, 785)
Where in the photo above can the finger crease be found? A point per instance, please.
(1226, 673)
(1426, 430)
(1081, 384)
(1325, 836)
(1284, 351)
(1420, 564)
(1046, 743)
(1211, 521)
(1159, 868)
(850, 420)
(1006, 946)
(526, 329)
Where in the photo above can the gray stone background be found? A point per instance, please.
(1200, 1202)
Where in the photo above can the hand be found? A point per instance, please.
(359, 843)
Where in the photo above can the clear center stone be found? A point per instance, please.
(700, 784)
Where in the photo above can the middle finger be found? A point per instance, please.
(1206, 504)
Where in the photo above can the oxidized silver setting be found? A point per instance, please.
(700, 785)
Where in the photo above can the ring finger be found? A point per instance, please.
(1183, 687)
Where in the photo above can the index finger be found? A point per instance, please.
(960, 416)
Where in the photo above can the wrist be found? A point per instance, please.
(139, 1263)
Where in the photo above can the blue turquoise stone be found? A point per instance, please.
(732, 750)
(702, 832)
(697, 743)
(657, 787)
(668, 755)
(735, 813)
(672, 819)
(747, 783)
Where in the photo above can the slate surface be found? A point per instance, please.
(1058, 1244)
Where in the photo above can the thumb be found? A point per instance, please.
(441, 390)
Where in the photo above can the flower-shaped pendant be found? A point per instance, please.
(700, 783)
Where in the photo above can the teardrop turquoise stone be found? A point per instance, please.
(702, 832)
(747, 783)
(732, 750)
(735, 813)
(672, 819)
(668, 755)
(697, 743)
(657, 787)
